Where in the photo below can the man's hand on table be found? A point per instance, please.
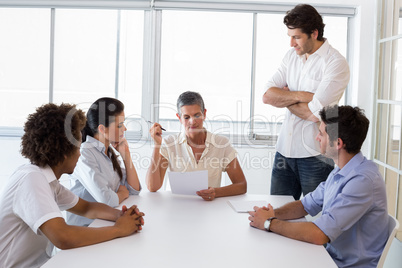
(130, 221)
(260, 215)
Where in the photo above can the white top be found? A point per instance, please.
(31, 197)
(184, 231)
(217, 155)
(325, 73)
(95, 180)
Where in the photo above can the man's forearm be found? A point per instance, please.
(290, 211)
(280, 98)
(283, 97)
(102, 211)
(303, 111)
(302, 231)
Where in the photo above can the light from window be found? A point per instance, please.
(24, 64)
(210, 53)
(86, 53)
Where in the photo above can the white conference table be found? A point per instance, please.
(186, 231)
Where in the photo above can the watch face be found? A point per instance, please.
(266, 224)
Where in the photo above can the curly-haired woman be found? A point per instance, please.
(31, 201)
(101, 176)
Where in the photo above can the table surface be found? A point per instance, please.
(186, 231)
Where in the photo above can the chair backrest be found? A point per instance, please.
(393, 226)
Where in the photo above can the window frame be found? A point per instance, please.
(389, 13)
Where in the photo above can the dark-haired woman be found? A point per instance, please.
(101, 175)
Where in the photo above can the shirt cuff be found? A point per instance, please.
(315, 106)
(310, 206)
(327, 226)
(44, 219)
(268, 86)
(133, 191)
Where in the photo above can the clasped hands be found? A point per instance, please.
(131, 219)
(260, 215)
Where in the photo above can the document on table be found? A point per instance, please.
(246, 206)
(188, 183)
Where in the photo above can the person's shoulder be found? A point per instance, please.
(291, 54)
(367, 165)
(172, 138)
(90, 149)
(30, 175)
(368, 170)
(333, 53)
(219, 139)
(91, 144)
(27, 169)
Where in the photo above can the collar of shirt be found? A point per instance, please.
(49, 174)
(321, 51)
(183, 138)
(91, 142)
(348, 168)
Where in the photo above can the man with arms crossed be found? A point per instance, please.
(31, 221)
(312, 75)
(354, 220)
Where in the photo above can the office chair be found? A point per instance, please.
(393, 226)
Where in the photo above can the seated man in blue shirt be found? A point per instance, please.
(352, 200)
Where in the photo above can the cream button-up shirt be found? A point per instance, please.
(326, 74)
(216, 157)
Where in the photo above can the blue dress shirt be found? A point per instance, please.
(95, 180)
(354, 213)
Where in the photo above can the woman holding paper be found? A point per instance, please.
(195, 149)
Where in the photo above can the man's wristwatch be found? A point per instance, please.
(267, 223)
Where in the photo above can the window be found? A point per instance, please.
(85, 55)
(212, 53)
(388, 132)
(225, 51)
(98, 53)
(24, 64)
(91, 53)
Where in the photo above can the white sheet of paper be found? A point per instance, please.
(246, 206)
(188, 183)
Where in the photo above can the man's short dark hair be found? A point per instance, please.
(306, 18)
(51, 133)
(347, 123)
(190, 98)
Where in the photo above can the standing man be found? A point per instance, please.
(353, 201)
(312, 75)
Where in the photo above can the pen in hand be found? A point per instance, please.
(153, 123)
